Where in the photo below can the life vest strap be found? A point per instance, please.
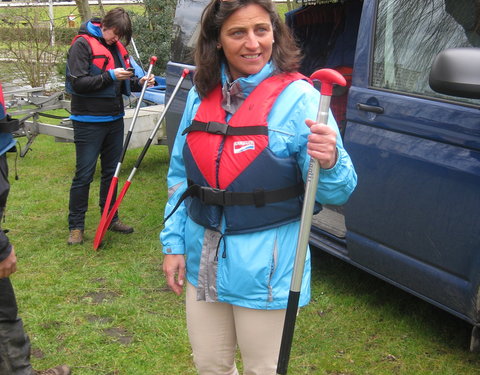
(258, 197)
(220, 197)
(214, 127)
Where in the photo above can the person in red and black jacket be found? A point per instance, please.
(97, 77)
(14, 343)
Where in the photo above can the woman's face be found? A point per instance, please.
(247, 38)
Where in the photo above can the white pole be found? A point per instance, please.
(50, 14)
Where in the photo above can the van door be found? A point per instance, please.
(414, 218)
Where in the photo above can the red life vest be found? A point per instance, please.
(102, 60)
(231, 170)
(101, 56)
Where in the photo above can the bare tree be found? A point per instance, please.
(84, 9)
(27, 42)
(101, 7)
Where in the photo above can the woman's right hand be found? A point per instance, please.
(174, 271)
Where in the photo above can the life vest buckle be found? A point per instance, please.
(212, 196)
(216, 128)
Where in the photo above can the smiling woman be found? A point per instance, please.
(244, 143)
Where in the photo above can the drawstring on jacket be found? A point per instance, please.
(224, 254)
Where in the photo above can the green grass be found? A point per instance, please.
(98, 311)
(109, 312)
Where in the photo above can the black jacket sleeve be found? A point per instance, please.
(135, 84)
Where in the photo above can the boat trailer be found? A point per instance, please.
(29, 106)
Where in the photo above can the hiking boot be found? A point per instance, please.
(59, 370)
(119, 227)
(75, 237)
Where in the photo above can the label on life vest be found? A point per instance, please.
(241, 146)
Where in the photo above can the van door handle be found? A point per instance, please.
(370, 108)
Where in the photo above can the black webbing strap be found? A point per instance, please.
(9, 125)
(258, 198)
(52, 116)
(184, 196)
(225, 129)
(219, 197)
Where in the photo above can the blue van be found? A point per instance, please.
(414, 219)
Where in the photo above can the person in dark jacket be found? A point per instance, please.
(14, 343)
(97, 77)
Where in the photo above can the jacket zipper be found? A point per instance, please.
(272, 270)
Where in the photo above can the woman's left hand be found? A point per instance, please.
(151, 80)
(322, 144)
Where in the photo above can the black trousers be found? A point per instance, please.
(93, 139)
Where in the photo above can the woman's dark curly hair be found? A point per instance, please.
(286, 55)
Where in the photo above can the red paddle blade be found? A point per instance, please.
(110, 216)
(98, 237)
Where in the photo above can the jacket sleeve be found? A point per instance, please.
(135, 84)
(172, 236)
(79, 60)
(296, 104)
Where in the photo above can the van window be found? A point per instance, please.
(408, 36)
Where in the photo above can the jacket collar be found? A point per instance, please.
(92, 27)
(235, 93)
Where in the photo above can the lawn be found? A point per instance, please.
(109, 312)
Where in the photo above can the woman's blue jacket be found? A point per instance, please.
(253, 270)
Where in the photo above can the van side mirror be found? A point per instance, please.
(456, 72)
